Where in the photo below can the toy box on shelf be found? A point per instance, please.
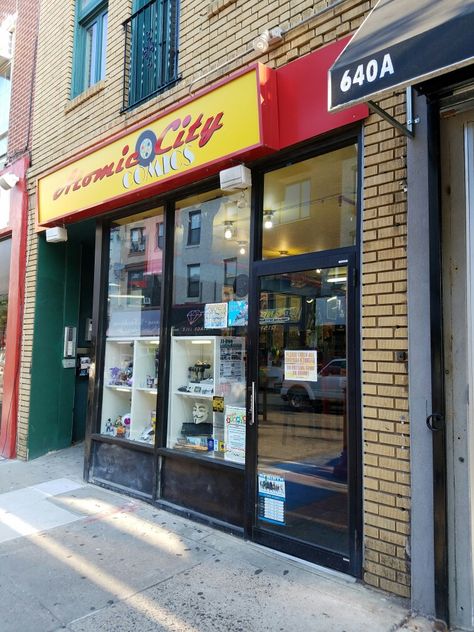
(130, 388)
(207, 374)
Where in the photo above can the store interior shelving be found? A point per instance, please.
(207, 376)
(130, 388)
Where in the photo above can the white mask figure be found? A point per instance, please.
(200, 412)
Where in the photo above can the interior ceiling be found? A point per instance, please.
(330, 199)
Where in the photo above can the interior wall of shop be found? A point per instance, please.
(58, 298)
(419, 359)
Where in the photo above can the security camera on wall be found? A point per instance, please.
(8, 181)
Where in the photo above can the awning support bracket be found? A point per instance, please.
(407, 129)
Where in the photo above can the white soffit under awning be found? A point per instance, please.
(401, 43)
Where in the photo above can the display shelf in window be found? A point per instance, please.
(130, 388)
(207, 378)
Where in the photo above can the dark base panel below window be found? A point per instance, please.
(128, 469)
(214, 492)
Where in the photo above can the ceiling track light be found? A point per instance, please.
(268, 219)
(242, 247)
(228, 230)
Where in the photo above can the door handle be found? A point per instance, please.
(252, 405)
(435, 422)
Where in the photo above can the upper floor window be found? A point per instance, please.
(160, 235)
(194, 228)
(151, 49)
(90, 44)
(194, 280)
(137, 239)
(230, 271)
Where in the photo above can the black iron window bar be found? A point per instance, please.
(151, 52)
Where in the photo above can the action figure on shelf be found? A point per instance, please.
(128, 374)
(197, 371)
(119, 427)
(114, 375)
(127, 420)
(148, 434)
(121, 376)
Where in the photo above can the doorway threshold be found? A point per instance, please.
(308, 566)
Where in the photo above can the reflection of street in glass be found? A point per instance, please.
(327, 393)
(307, 450)
(286, 435)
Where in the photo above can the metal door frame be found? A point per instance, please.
(325, 259)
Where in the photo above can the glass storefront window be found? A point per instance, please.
(5, 253)
(311, 205)
(207, 412)
(133, 327)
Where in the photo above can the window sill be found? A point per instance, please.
(138, 446)
(84, 96)
(208, 460)
(145, 101)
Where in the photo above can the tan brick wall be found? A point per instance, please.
(212, 33)
(27, 342)
(386, 437)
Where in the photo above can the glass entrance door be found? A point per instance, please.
(302, 486)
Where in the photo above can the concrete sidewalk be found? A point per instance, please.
(77, 557)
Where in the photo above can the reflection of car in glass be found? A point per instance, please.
(330, 388)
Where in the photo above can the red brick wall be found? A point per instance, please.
(23, 67)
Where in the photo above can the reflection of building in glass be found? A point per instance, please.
(206, 262)
(137, 239)
(194, 280)
(194, 228)
(135, 266)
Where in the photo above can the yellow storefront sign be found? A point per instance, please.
(221, 122)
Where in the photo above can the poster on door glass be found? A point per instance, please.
(301, 365)
(271, 498)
